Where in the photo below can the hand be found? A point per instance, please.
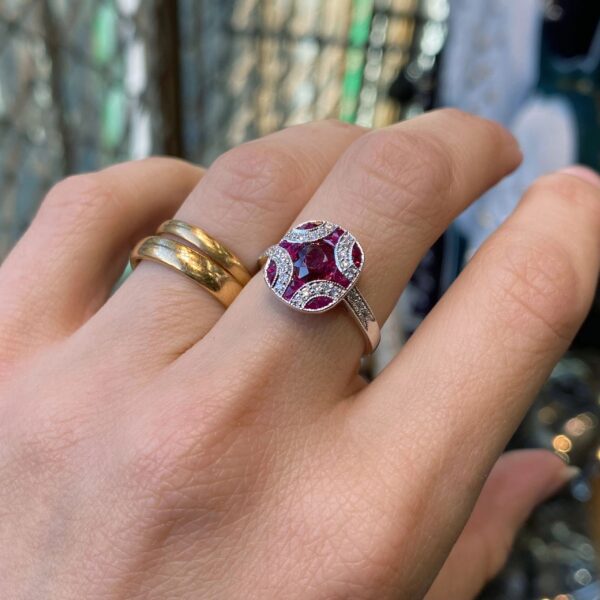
(155, 446)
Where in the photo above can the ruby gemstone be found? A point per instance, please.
(316, 261)
(357, 256)
(308, 225)
(271, 272)
(318, 302)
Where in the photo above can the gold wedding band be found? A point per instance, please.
(198, 267)
(208, 246)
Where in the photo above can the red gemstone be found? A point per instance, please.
(357, 256)
(271, 272)
(308, 225)
(314, 261)
(335, 236)
(318, 302)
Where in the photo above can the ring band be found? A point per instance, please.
(208, 246)
(201, 269)
(363, 315)
(315, 267)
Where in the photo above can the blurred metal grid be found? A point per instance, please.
(250, 67)
(84, 84)
(78, 90)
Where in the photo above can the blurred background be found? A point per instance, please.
(87, 83)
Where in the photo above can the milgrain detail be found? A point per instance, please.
(361, 310)
(300, 236)
(315, 289)
(343, 256)
(284, 264)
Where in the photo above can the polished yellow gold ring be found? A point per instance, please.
(208, 246)
(198, 267)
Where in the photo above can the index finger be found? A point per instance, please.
(465, 379)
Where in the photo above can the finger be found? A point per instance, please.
(246, 200)
(396, 189)
(466, 377)
(67, 262)
(499, 330)
(519, 481)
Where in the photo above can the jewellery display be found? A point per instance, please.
(208, 246)
(204, 271)
(315, 267)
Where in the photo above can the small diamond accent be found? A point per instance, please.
(316, 289)
(284, 268)
(361, 309)
(297, 235)
(343, 256)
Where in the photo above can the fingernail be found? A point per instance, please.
(571, 473)
(584, 173)
(560, 481)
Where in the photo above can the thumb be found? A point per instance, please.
(518, 482)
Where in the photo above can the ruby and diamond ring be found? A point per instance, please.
(315, 267)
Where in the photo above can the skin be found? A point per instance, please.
(155, 446)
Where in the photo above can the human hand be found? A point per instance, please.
(155, 446)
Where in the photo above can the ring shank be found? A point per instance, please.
(359, 308)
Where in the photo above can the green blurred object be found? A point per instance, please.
(113, 118)
(104, 34)
(81, 86)
(358, 36)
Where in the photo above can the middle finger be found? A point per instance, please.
(396, 190)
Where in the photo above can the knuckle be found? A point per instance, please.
(158, 470)
(206, 451)
(186, 475)
(196, 440)
(463, 117)
(153, 464)
(76, 199)
(397, 171)
(535, 290)
(256, 177)
(456, 114)
(564, 188)
(487, 128)
(46, 447)
(558, 184)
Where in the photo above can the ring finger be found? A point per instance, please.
(246, 200)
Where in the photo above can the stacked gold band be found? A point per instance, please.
(208, 246)
(204, 260)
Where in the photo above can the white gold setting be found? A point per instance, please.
(316, 289)
(285, 267)
(343, 256)
(315, 267)
(302, 236)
